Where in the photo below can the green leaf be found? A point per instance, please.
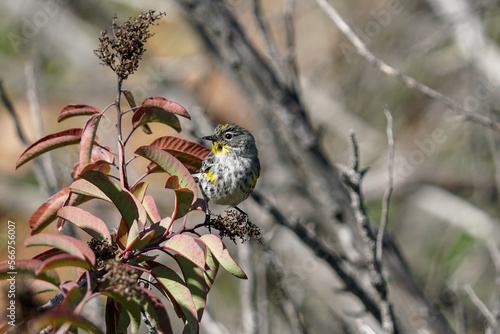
(86, 221)
(68, 244)
(183, 199)
(211, 269)
(63, 260)
(187, 247)
(38, 286)
(156, 310)
(222, 255)
(48, 143)
(170, 165)
(61, 316)
(77, 110)
(26, 268)
(159, 110)
(131, 102)
(131, 305)
(87, 140)
(195, 281)
(179, 292)
(84, 187)
(139, 191)
(128, 205)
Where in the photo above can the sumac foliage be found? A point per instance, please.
(113, 263)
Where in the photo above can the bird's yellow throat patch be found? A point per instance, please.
(220, 148)
(211, 177)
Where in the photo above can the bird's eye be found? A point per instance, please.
(228, 136)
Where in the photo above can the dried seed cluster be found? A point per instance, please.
(122, 277)
(103, 250)
(234, 225)
(124, 48)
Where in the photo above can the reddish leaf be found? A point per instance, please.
(128, 205)
(191, 154)
(38, 286)
(84, 187)
(26, 268)
(222, 255)
(47, 212)
(48, 143)
(150, 206)
(165, 105)
(48, 254)
(68, 244)
(87, 142)
(179, 292)
(98, 166)
(172, 182)
(155, 308)
(61, 316)
(159, 110)
(187, 247)
(131, 102)
(77, 110)
(170, 165)
(62, 260)
(86, 221)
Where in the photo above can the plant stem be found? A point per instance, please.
(121, 146)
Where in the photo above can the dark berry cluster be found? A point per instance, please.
(234, 225)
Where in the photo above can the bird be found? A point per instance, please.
(229, 173)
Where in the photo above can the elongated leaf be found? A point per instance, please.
(87, 141)
(155, 308)
(171, 165)
(222, 255)
(37, 286)
(47, 212)
(131, 102)
(61, 316)
(128, 205)
(150, 206)
(211, 269)
(77, 110)
(84, 187)
(131, 305)
(187, 247)
(191, 154)
(68, 244)
(26, 268)
(195, 281)
(86, 221)
(62, 260)
(178, 291)
(48, 143)
(165, 105)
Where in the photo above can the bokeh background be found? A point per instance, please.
(444, 209)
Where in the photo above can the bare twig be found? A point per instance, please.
(333, 260)
(352, 178)
(47, 170)
(247, 292)
(480, 305)
(393, 72)
(291, 65)
(388, 189)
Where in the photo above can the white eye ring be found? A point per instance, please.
(228, 135)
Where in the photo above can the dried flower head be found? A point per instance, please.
(124, 48)
(122, 277)
(103, 250)
(234, 225)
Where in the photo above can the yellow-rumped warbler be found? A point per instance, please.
(229, 173)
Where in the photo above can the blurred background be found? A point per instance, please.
(444, 209)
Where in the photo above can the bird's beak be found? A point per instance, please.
(207, 137)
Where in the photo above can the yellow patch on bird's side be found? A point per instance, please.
(254, 181)
(211, 177)
(219, 148)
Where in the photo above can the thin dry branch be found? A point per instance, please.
(490, 318)
(352, 177)
(389, 186)
(363, 51)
